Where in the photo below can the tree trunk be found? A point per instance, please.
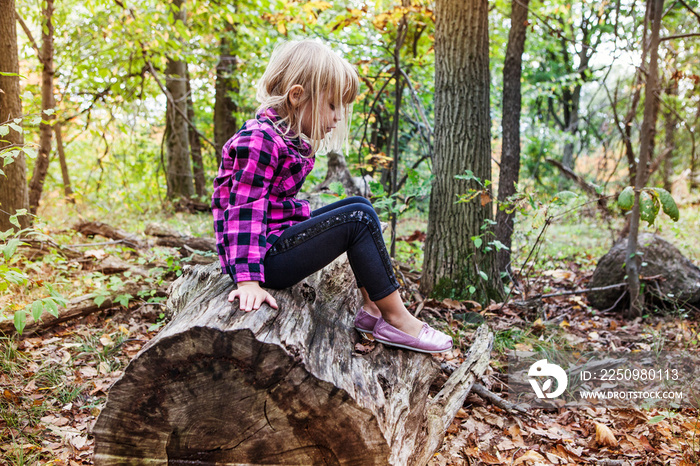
(510, 154)
(636, 96)
(41, 166)
(222, 386)
(646, 144)
(179, 168)
(693, 148)
(195, 145)
(225, 108)
(13, 184)
(67, 189)
(462, 142)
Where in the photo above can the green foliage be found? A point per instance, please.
(12, 277)
(651, 200)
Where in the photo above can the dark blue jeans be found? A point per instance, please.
(350, 225)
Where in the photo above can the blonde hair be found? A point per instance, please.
(325, 78)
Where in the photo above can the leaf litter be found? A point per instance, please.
(53, 386)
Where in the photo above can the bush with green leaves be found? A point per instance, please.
(12, 276)
(651, 200)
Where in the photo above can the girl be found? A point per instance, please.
(267, 237)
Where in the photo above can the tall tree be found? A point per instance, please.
(227, 87)
(510, 153)
(646, 147)
(195, 144)
(456, 254)
(13, 183)
(178, 169)
(41, 167)
(671, 122)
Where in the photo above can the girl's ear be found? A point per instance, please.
(295, 94)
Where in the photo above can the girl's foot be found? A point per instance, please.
(428, 340)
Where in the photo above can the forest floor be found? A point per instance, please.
(53, 383)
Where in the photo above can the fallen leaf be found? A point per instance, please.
(538, 324)
(529, 456)
(450, 303)
(604, 436)
(96, 253)
(12, 397)
(106, 340)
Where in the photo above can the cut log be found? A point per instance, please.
(671, 279)
(222, 386)
(171, 238)
(90, 229)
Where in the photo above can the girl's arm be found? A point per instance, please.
(240, 204)
(252, 296)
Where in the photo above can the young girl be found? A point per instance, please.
(267, 237)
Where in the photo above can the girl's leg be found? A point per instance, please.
(353, 227)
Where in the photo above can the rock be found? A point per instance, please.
(670, 278)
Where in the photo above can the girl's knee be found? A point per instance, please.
(368, 210)
(359, 200)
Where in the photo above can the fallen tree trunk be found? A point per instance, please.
(222, 386)
(79, 307)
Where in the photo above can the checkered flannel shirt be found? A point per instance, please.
(253, 202)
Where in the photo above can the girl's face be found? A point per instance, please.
(328, 117)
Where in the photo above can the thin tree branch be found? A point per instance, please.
(695, 13)
(680, 36)
(30, 37)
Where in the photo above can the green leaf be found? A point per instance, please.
(498, 245)
(123, 299)
(648, 207)
(668, 204)
(20, 321)
(337, 188)
(51, 306)
(472, 289)
(11, 246)
(483, 275)
(4, 130)
(37, 310)
(99, 299)
(626, 198)
(17, 128)
(477, 241)
(656, 419)
(563, 197)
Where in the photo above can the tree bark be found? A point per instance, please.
(41, 166)
(462, 142)
(646, 145)
(178, 168)
(510, 154)
(671, 122)
(67, 188)
(13, 184)
(225, 107)
(200, 187)
(222, 386)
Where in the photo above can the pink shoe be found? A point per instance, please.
(364, 321)
(429, 340)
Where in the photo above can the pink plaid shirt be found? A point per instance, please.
(253, 202)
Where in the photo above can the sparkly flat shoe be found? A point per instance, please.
(429, 340)
(364, 321)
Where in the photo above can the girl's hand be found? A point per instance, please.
(251, 296)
